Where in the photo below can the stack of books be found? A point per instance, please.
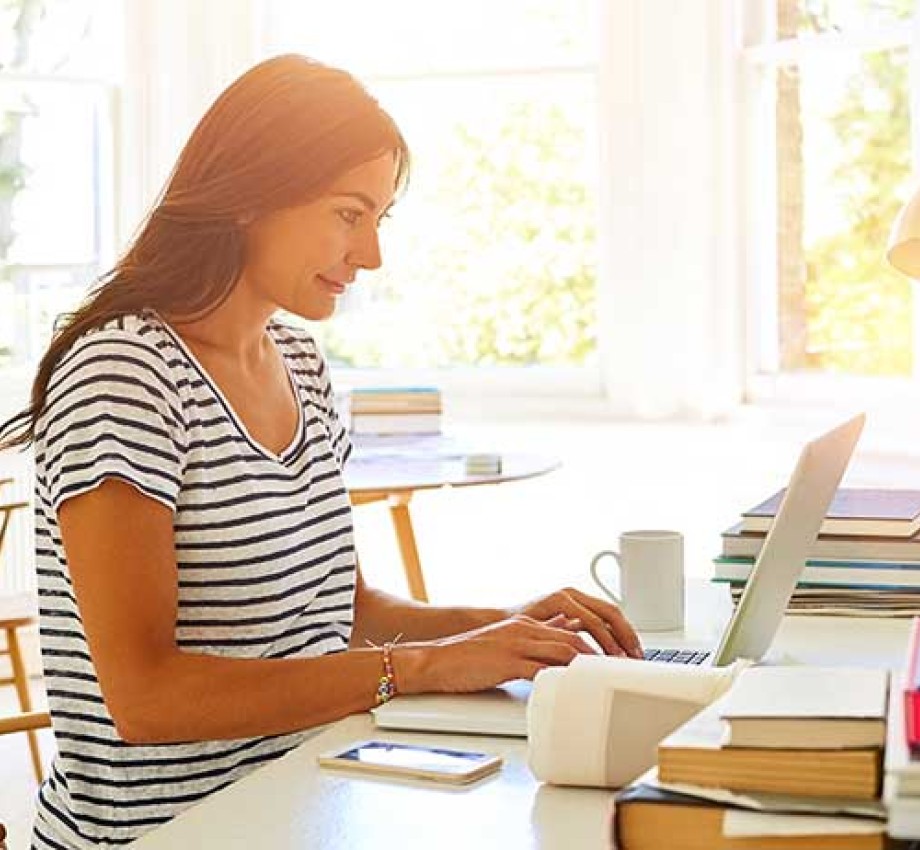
(789, 757)
(396, 410)
(865, 561)
(902, 749)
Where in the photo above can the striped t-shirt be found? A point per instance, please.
(264, 546)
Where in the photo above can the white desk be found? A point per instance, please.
(291, 803)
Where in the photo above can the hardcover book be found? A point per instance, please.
(832, 573)
(806, 707)
(739, 543)
(696, 754)
(872, 512)
(648, 817)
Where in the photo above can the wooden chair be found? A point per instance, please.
(24, 722)
(16, 611)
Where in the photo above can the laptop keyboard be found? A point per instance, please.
(677, 656)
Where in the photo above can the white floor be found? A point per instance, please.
(503, 544)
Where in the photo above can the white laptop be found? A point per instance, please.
(748, 634)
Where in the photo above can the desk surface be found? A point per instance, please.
(292, 803)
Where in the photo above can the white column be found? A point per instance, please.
(670, 297)
(179, 55)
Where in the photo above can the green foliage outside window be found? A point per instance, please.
(859, 310)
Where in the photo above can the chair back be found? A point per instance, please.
(25, 721)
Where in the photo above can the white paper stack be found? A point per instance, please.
(598, 721)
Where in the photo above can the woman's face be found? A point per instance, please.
(302, 259)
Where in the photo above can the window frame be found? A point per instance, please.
(106, 96)
(760, 55)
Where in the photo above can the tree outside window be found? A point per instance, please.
(843, 163)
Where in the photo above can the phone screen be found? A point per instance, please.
(414, 760)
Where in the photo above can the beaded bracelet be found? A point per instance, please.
(386, 686)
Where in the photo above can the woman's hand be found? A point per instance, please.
(601, 619)
(515, 648)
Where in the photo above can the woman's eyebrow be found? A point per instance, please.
(366, 200)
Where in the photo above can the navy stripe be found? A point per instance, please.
(80, 487)
(165, 779)
(303, 490)
(173, 799)
(253, 621)
(112, 419)
(170, 758)
(273, 577)
(285, 593)
(59, 693)
(262, 639)
(265, 537)
(97, 397)
(50, 842)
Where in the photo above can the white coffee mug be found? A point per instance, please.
(650, 589)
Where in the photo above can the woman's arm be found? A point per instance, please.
(122, 562)
(380, 617)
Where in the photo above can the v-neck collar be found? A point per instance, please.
(285, 454)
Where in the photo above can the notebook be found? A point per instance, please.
(497, 711)
(748, 634)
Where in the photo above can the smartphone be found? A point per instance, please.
(416, 761)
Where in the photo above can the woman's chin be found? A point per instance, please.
(315, 312)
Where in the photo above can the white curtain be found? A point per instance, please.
(179, 55)
(671, 298)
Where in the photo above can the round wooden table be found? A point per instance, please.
(393, 469)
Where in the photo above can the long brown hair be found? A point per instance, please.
(275, 138)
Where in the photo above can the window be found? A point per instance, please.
(830, 164)
(56, 141)
(490, 258)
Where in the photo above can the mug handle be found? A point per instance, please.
(597, 579)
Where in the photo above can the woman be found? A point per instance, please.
(201, 602)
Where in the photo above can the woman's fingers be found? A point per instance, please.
(601, 619)
(610, 622)
(545, 634)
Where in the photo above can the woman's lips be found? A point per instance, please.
(337, 287)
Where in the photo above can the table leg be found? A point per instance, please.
(405, 537)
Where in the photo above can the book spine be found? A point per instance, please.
(913, 656)
(911, 690)
(893, 576)
(396, 423)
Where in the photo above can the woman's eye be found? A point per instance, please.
(350, 216)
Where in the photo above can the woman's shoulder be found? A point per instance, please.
(129, 344)
(138, 333)
(297, 344)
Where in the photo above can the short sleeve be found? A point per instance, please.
(111, 412)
